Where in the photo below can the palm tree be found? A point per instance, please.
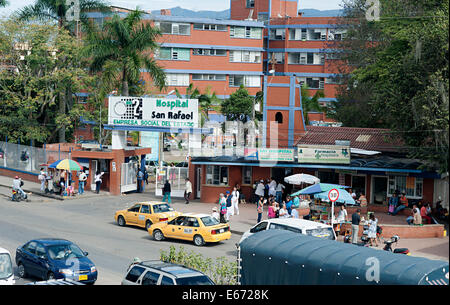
(121, 49)
(311, 103)
(3, 3)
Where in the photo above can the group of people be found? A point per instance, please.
(167, 190)
(372, 230)
(228, 204)
(267, 188)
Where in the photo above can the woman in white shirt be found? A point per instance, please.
(342, 216)
(283, 213)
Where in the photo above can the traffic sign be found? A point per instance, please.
(333, 195)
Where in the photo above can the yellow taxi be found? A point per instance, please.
(200, 228)
(144, 214)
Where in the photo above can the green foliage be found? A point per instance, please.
(221, 272)
(311, 103)
(3, 3)
(400, 77)
(44, 66)
(238, 107)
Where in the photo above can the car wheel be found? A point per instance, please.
(121, 221)
(50, 276)
(158, 235)
(22, 273)
(148, 224)
(198, 240)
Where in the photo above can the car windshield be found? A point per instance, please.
(60, 252)
(326, 233)
(161, 208)
(209, 221)
(195, 280)
(6, 269)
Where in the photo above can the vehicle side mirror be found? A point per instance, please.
(85, 253)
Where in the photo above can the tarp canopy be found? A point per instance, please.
(301, 178)
(294, 259)
(344, 197)
(320, 187)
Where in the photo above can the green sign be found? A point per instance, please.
(276, 154)
(334, 154)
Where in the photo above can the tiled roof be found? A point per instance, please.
(383, 140)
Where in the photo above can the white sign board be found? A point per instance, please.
(324, 154)
(153, 112)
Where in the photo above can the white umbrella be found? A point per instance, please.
(301, 178)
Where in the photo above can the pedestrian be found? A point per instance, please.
(393, 202)
(283, 213)
(272, 187)
(294, 213)
(372, 232)
(222, 208)
(81, 181)
(145, 175)
(42, 177)
(342, 216)
(140, 179)
(188, 190)
(410, 219)
(288, 204)
(362, 200)
(215, 214)
(235, 201)
(260, 209)
(228, 197)
(424, 213)
(266, 188)
(403, 204)
(356, 219)
(260, 189)
(296, 202)
(279, 192)
(98, 180)
(166, 192)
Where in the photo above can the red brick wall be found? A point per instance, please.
(24, 176)
(405, 231)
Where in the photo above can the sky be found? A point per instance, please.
(196, 5)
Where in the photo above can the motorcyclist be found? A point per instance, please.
(17, 186)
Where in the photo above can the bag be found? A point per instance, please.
(229, 201)
(391, 208)
(41, 177)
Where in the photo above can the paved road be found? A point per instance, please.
(89, 223)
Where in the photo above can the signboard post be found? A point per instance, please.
(333, 195)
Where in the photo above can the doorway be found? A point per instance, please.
(198, 181)
(359, 185)
(379, 190)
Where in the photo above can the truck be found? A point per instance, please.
(296, 259)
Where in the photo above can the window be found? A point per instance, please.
(177, 221)
(175, 79)
(31, 247)
(326, 233)
(279, 117)
(245, 32)
(259, 227)
(209, 221)
(412, 186)
(210, 52)
(279, 57)
(246, 80)
(173, 54)
(150, 278)
(210, 27)
(40, 251)
(315, 82)
(195, 280)
(162, 208)
(247, 175)
(134, 274)
(174, 28)
(217, 175)
(218, 77)
(336, 34)
(277, 34)
(145, 209)
(274, 226)
(307, 58)
(191, 222)
(166, 280)
(250, 3)
(264, 17)
(245, 56)
(134, 208)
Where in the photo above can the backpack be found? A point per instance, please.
(229, 201)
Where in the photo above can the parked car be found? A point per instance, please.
(144, 214)
(199, 228)
(52, 258)
(154, 272)
(296, 225)
(6, 268)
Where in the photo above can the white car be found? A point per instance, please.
(6, 268)
(297, 225)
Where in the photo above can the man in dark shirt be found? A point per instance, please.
(356, 218)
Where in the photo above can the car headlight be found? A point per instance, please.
(66, 271)
(93, 269)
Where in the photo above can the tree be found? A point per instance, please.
(400, 77)
(121, 49)
(3, 3)
(42, 62)
(238, 107)
(56, 10)
(310, 103)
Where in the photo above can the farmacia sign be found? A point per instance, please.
(153, 112)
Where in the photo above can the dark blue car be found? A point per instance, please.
(52, 258)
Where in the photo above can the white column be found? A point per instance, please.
(119, 140)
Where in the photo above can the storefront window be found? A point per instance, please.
(412, 186)
(247, 175)
(217, 175)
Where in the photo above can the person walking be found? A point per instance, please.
(140, 179)
(188, 190)
(42, 177)
(98, 181)
(356, 219)
(81, 181)
(222, 208)
(229, 204)
(260, 209)
(260, 189)
(166, 192)
(235, 201)
(279, 192)
(372, 232)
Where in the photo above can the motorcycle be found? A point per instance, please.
(17, 196)
(388, 246)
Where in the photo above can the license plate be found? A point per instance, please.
(83, 277)
(221, 230)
